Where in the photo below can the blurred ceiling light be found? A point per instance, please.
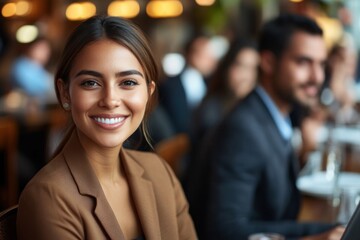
(296, 1)
(332, 28)
(74, 11)
(89, 9)
(80, 11)
(22, 8)
(173, 63)
(126, 8)
(205, 2)
(8, 10)
(219, 46)
(164, 8)
(27, 33)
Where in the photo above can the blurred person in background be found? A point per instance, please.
(30, 76)
(244, 179)
(33, 90)
(233, 79)
(181, 94)
(339, 93)
(338, 99)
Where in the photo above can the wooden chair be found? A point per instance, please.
(173, 150)
(8, 223)
(8, 146)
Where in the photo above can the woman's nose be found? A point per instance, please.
(110, 98)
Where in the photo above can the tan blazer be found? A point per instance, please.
(65, 200)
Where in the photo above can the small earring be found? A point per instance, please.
(66, 106)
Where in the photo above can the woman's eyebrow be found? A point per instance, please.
(129, 72)
(118, 74)
(89, 72)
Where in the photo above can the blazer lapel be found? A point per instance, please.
(282, 146)
(89, 185)
(272, 132)
(143, 195)
(107, 218)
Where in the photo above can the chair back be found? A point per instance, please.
(8, 146)
(172, 150)
(8, 223)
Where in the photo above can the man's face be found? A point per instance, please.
(299, 71)
(202, 56)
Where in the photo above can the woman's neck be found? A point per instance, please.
(104, 161)
(106, 166)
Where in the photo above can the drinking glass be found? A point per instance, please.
(266, 236)
(349, 198)
(332, 162)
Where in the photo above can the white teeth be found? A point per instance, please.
(108, 120)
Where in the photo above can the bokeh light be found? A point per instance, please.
(27, 33)
(126, 9)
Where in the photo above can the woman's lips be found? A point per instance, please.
(109, 122)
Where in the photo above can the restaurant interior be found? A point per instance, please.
(30, 130)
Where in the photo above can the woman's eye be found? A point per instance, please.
(129, 83)
(89, 83)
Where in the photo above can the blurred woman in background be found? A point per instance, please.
(234, 78)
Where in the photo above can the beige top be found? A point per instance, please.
(65, 200)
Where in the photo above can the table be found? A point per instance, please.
(317, 209)
(322, 209)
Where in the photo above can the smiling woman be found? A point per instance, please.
(108, 99)
(93, 188)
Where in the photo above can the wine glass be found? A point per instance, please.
(266, 236)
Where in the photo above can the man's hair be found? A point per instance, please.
(276, 34)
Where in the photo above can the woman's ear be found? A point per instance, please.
(64, 93)
(152, 87)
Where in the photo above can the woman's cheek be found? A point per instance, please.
(137, 103)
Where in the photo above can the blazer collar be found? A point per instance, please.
(88, 184)
(143, 194)
(282, 146)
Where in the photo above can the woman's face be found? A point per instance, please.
(107, 93)
(243, 72)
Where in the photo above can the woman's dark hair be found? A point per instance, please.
(219, 81)
(118, 30)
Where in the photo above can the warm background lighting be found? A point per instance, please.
(20, 8)
(126, 8)
(9, 10)
(296, 1)
(27, 33)
(205, 2)
(163, 9)
(80, 11)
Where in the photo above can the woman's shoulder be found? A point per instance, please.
(154, 166)
(145, 158)
(54, 175)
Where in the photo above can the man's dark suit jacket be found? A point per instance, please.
(172, 98)
(244, 179)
